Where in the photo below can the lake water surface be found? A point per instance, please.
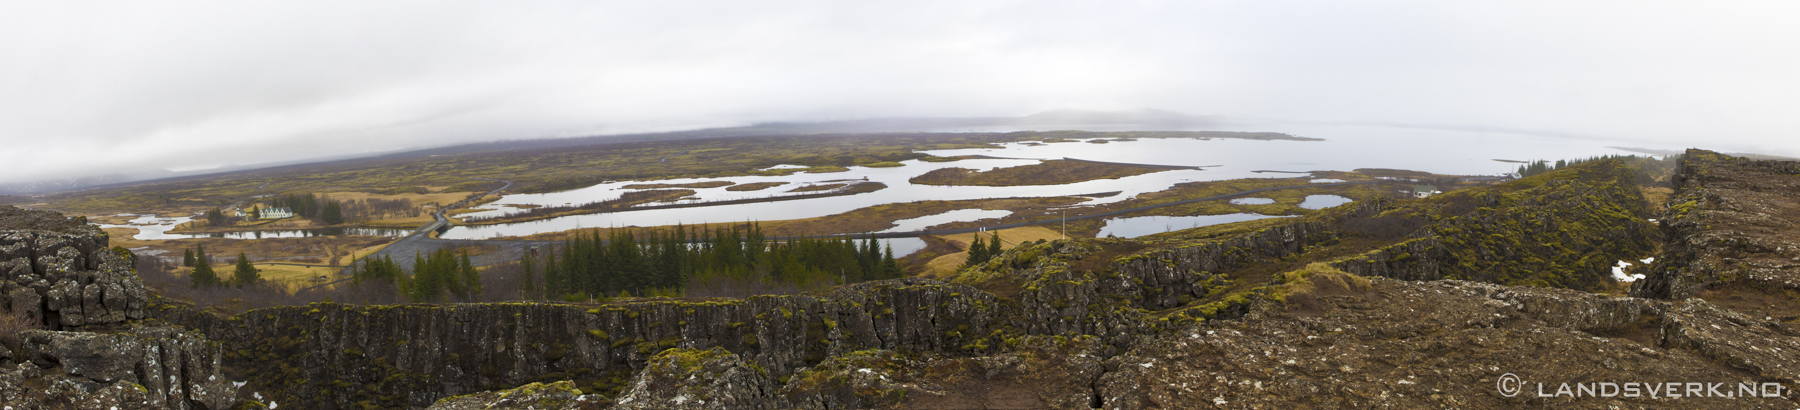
(1345, 148)
(154, 228)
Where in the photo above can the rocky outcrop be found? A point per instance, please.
(333, 355)
(66, 278)
(147, 368)
(1731, 225)
(1448, 344)
(534, 396)
(1033, 372)
(57, 273)
(1563, 229)
(701, 380)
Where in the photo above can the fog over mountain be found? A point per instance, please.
(147, 88)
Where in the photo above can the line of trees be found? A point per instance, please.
(439, 275)
(1542, 166)
(665, 262)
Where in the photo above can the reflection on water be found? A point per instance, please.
(960, 215)
(1326, 181)
(1345, 148)
(1149, 225)
(903, 246)
(1323, 201)
(1252, 201)
(153, 228)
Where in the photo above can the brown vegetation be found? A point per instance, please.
(169, 279)
(755, 186)
(817, 188)
(625, 200)
(1049, 172)
(325, 250)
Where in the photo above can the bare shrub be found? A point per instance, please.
(12, 324)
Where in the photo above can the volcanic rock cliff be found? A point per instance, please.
(59, 274)
(1439, 302)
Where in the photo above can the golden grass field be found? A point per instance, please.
(417, 199)
(947, 265)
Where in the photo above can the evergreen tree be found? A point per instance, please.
(187, 257)
(203, 274)
(527, 278)
(471, 279)
(977, 252)
(553, 281)
(333, 213)
(890, 269)
(993, 246)
(215, 218)
(379, 270)
(245, 273)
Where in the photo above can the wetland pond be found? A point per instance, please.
(1344, 148)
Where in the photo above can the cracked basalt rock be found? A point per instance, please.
(699, 380)
(61, 273)
(148, 368)
(1731, 229)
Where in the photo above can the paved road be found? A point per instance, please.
(420, 243)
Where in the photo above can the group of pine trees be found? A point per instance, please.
(662, 262)
(443, 272)
(1542, 166)
(980, 252)
(204, 276)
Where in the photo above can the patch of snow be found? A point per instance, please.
(1618, 272)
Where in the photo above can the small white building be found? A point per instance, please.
(276, 213)
(1421, 191)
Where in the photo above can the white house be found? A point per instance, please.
(1422, 191)
(276, 213)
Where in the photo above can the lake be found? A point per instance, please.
(1345, 148)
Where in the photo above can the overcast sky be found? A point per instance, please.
(168, 84)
